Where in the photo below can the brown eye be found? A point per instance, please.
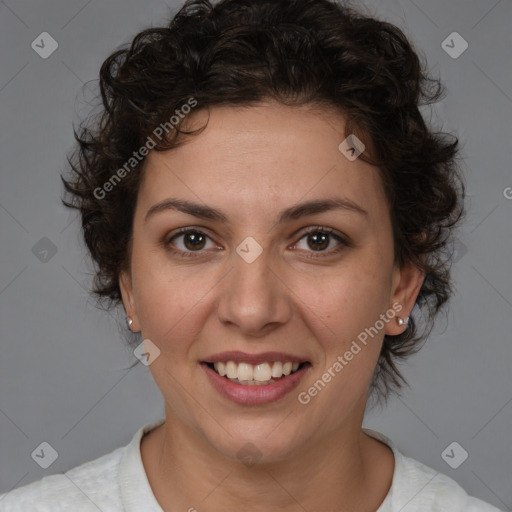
(188, 241)
(194, 240)
(319, 239)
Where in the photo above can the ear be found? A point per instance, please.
(125, 284)
(407, 281)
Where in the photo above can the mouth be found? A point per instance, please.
(254, 379)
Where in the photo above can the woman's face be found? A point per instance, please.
(263, 277)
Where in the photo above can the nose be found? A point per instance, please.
(253, 297)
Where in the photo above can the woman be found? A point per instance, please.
(263, 197)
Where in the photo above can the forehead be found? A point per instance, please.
(260, 156)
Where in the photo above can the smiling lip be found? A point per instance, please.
(254, 359)
(257, 394)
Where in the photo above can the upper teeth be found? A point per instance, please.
(260, 372)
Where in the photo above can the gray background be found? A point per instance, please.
(64, 370)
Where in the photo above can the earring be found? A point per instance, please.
(130, 322)
(401, 321)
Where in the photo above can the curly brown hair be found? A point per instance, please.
(297, 52)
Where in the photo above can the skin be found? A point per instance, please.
(252, 163)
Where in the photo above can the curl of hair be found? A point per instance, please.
(297, 52)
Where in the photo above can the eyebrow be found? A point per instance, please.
(288, 214)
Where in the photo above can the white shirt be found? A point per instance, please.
(117, 482)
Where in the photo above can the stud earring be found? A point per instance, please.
(401, 321)
(130, 322)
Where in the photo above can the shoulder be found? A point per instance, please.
(88, 487)
(420, 488)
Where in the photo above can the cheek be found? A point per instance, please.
(168, 296)
(352, 306)
(349, 299)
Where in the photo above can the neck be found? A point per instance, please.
(345, 470)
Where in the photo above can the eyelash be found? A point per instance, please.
(343, 242)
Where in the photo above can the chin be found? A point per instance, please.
(254, 441)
